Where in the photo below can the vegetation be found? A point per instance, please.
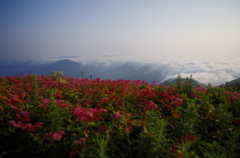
(55, 116)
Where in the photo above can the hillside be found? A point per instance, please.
(232, 83)
(68, 67)
(174, 81)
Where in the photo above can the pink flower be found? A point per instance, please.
(103, 110)
(54, 136)
(62, 104)
(24, 113)
(14, 124)
(104, 100)
(87, 115)
(45, 101)
(28, 125)
(117, 115)
(179, 100)
(58, 135)
(30, 128)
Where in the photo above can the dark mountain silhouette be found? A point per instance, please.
(231, 83)
(8, 62)
(20, 67)
(73, 69)
(174, 81)
(68, 67)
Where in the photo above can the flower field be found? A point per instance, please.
(55, 116)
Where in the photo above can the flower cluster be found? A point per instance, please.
(28, 127)
(54, 136)
(189, 138)
(150, 105)
(175, 150)
(62, 104)
(88, 115)
(45, 103)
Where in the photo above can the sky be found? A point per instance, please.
(199, 37)
(127, 29)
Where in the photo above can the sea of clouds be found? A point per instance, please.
(205, 70)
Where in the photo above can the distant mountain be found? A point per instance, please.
(63, 57)
(232, 83)
(174, 81)
(127, 71)
(8, 62)
(68, 67)
(17, 68)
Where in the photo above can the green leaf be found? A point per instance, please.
(12, 129)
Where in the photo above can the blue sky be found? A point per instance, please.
(129, 29)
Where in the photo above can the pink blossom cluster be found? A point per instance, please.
(28, 127)
(150, 105)
(88, 115)
(45, 103)
(62, 104)
(54, 136)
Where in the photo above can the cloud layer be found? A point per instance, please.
(214, 71)
(204, 70)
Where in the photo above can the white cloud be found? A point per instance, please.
(214, 71)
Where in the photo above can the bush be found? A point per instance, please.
(57, 116)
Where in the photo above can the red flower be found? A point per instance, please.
(48, 135)
(80, 141)
(23, 116)
(150, 105)
(58, 95)
(88, 101)
(87, 115)
(126, 129)
(178, 102)
(102, 129)
(73, 153)
(117, 115)
(58, 135)
(62, 104)
(15, 109)
(29, 128)
(103, 110)
(45, 101)
(14, 124)
(175, 149)
(54, 136)
(189, 138)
